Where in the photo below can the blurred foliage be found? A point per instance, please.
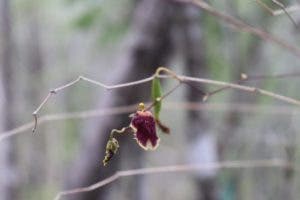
(87, 18)
(217, 63)
(68, 31)
(97, 14)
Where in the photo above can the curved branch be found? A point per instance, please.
(242, 26)
(173, 75)
(247, 164)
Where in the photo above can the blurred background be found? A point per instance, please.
(45, 44)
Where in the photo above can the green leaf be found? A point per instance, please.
(156, 95)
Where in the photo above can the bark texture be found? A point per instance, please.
(197, 124)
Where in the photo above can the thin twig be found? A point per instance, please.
(242, 88)
(69, 84)
(181, 79)
(167, 105)
(265, 7)
(275, 76)
(247, 164)
(286, 12)
(35, 113)
(283, 10)
(246, 78)
(242, 26)
(66, 116)
(289, 9)
(164, 96)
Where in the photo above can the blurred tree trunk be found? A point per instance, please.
(7, 168)
(149, 48)
(34, 54)
(243, 56)
(233, 119)
(34, 65)
(197, 124)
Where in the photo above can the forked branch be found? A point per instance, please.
(71, 83)
(172, 75)
(244, 27)
(283, 10)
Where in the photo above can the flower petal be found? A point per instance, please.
(145, 134)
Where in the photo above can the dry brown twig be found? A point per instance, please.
(244, 27)
(67, 116)
(283, 10)
(238, 24)
(249, 108)
(169, 105)
(289, 9)
(171, 74)
(82, 78)
(178, 168)
(246, 78)
(246, 164)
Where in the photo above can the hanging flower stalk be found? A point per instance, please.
(112, 145)
(142, 125)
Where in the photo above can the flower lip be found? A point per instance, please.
(143, 124)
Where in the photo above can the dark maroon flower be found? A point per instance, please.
(143, 124)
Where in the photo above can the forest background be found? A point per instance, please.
(45, 44)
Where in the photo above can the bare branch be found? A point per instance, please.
(131, 108)
(35, 113)
(248, 77)
(54, 91)
(66, 116)
(289, 9)
(285, 11)
(242, 26)
(247, 164)
(181, 79)
(242, 88)
(265, 7)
